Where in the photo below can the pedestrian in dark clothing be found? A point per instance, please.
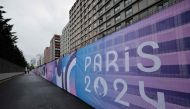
(26, 70)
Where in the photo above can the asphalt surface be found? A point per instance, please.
(33, 92)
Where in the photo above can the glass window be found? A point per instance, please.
(94, 3)
(108, 5)
(100, 20)
(118, 18)
(108, 24)
(129, 12)
(128, 2)
(101, 12)
(90, 28)
(116, 1)
(94, 10)
(117, 8)
(100, 3)
(101, 28)
(129, 22)
(90, 21)
(108, 15)
(94, 17)
(95, 24)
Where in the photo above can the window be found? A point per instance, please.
(129, 12)
(128, 2)
(109, 31)
(84, 17)
(115, 1)
(117, 19)
(95, 31)
(94, 17)
(108, 6)
(94, 3)
(85, 11)
(101, 12)
(101, 28)
(85, 24)
(166, 3)
(90, 13)
(100, 3)
(108, 24)
(82, 27)
(118, 27)
(108, 15)
(94, 10)
(86, 31)
(90, 28)
(129, 22)
(100, 20)
(95, 24)
(117, 9)
(143, 14)
(90, 21)
(163, 4)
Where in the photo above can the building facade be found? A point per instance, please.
(47, 55)
(33, 62)
(40, 60)
(65, 40)
(55, 47)
(91, 20)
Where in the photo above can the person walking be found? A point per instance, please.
(26, 70)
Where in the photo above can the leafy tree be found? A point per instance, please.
(8, 48)
(31, 67)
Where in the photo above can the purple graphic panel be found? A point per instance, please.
(143, 66)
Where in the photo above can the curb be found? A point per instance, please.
(9, 78)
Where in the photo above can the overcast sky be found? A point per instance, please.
(36, 21)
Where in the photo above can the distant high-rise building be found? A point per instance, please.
(40, 60)
(91, 20)
(65, 40)
(47, 55)
(55, 47)
(33, 61)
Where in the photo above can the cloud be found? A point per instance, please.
(36, 21)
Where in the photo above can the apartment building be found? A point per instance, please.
(65, 40)
(91, 20)
(40, 60)
(55, 47)
(47, 57)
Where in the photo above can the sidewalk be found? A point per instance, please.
(32, 92)
(5, 76)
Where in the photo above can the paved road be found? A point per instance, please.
(33, 92)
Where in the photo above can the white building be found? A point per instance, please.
(40, 60)
(65, 40)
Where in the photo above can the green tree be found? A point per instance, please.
(8, 48)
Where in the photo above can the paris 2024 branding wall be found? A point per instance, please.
(143, 66)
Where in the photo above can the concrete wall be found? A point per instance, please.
(7, 67)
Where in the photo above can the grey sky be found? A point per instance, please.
(36, 21)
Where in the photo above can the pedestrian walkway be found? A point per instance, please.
(32, 92)
(4, 76)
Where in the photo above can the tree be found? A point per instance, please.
(8, 48)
